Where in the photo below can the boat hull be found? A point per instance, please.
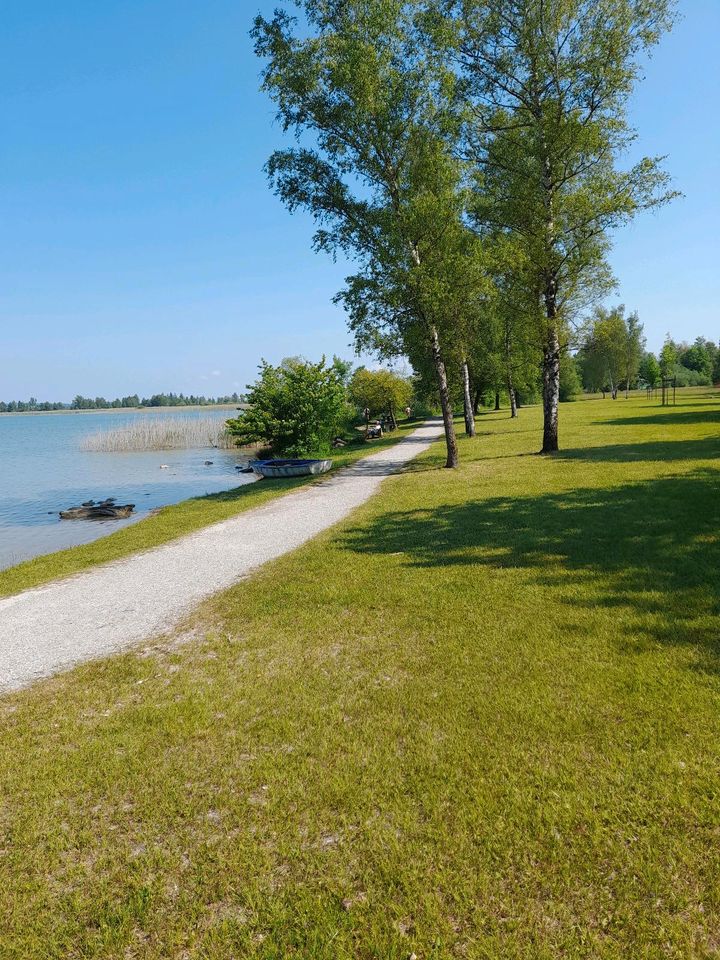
(274, 469)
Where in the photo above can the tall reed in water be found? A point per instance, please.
(161, 433)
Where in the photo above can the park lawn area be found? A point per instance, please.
(172, 522)
(478, 719)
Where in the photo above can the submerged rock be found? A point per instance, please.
(103, 510)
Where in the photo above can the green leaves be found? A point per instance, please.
(377, 168)
(612, 349)
(548, 84)
(379, 391)
(436, 136)
(296, 408)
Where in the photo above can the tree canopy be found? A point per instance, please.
(466, 156)
(548, 83)
(379, 391)
(612, 350)
(379, 174)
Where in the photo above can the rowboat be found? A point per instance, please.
(272, 469)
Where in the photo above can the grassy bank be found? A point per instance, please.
(479, 719)
(169, 524)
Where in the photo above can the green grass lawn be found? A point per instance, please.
(479, 719)
(171, 522)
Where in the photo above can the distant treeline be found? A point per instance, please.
(612, 356)
(133, 401)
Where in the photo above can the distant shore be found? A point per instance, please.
(206, 406)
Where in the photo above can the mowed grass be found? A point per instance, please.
(479, 719)
(172, 522)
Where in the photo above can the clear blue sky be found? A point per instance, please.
(141, 250)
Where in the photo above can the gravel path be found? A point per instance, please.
(112, 607)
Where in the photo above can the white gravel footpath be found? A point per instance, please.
(114, 606)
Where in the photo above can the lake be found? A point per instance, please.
(43, 470)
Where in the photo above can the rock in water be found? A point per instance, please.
(107, 510)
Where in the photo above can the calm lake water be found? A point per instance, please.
(43, 470)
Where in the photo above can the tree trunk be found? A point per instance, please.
(509, 376)
(551, 391)
(497, 399)
(476, 402)
(551, 353)
(468, 404)
(441, 373)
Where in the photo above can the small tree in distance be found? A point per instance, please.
(668, 357)
(634, 348)
(612, 350)
(570, 385)
(379, 392)
(650, 370)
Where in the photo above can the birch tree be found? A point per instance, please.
(547, 86)
(634, 349)
(377, 169)
(612, 349)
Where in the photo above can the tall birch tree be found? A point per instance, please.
(376, 168)
(547, 86)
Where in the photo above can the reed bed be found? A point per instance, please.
(166, 433)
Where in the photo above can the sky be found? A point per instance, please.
(141, 249)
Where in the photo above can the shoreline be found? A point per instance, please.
(206, 406)
(170, 522)
(113, 607)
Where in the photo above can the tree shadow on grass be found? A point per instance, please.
(651, 548)
(700, 415)
(707, 448)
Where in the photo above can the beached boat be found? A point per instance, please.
(272, 469)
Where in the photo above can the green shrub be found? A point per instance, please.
(296, 408)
